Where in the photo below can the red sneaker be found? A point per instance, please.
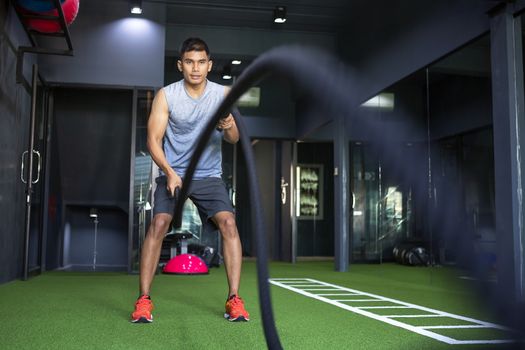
(235, 310)
(143, 308)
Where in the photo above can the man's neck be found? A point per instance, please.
(195, 91)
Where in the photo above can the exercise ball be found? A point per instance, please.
(37, 5)
(70, 9)
(186, 264)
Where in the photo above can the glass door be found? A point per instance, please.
(382, 203)
(32, 173)
(141, 177)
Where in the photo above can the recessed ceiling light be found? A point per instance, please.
(136, 7)
(236, 62)
(279, 14)
(226, 73)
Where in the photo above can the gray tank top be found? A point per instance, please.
(187, 118)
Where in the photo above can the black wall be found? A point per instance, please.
(94, 137)
(14, 128)
(264, 152)
(91, 166)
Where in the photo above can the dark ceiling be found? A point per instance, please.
(302, 15)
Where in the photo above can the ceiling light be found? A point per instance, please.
(279, 14)
(93, 213)
(226, 73)
(236, 62)
(136, 7)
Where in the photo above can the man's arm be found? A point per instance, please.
(157, 123)
(231, 133)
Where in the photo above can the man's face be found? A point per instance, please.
(194, 66)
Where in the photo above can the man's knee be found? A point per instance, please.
(227, 225)
(159, 226)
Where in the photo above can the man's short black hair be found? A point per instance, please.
(194, 44)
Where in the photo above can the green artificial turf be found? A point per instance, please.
(66, 310)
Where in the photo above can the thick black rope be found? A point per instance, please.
(309, 69)
(331, 87)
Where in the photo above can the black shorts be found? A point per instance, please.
(209, 196)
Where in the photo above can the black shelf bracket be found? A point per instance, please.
(32, 35)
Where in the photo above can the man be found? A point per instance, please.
(179, 113)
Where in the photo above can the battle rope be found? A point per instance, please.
(309, 69)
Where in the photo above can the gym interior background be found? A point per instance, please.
(443, 80)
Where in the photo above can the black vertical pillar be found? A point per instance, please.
(278, 204)
(507, 96)
(341, 196)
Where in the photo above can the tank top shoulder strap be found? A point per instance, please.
(170, 92)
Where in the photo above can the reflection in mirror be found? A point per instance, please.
(423, 193)
(388, 209)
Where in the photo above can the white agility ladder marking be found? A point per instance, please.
(295, 284)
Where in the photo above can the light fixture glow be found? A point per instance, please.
(279, 14)
(136, 7)
(227, 73)
(236, 62)
(384, 100)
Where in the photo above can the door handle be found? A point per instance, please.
(22, 161)
(284, 184)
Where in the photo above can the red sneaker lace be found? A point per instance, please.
(143, 305)
(236, 303)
